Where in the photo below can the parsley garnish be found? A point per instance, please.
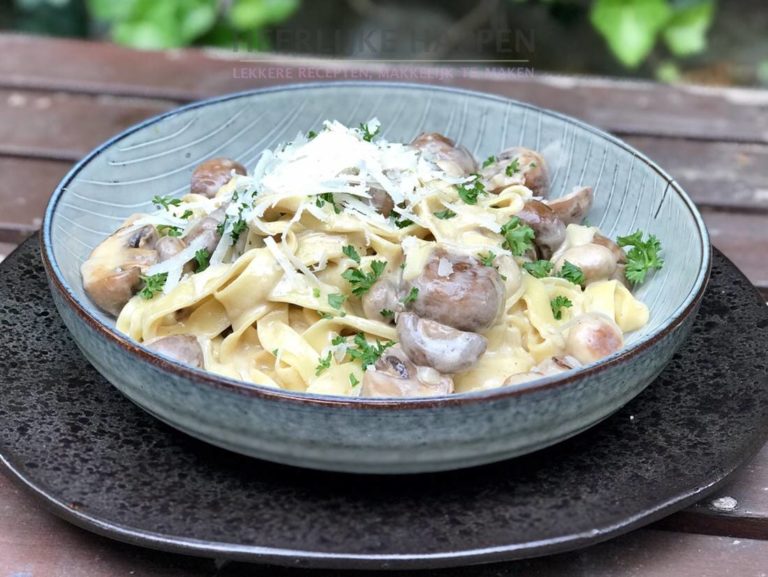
(337, 340)
(513, 167)
(642, 257)
(572, 273)
(186, 215)
(323, 364)
(311, 134)
(237, 229)
(487, 259)
(275, 351)
(221, 226)
(367, 353)
(489, 161)
(558, 304)
(387, 314)
(353, 380)
(352, 253)
(152, 285)
(401, 223)
(538, 269)
(327, 197)
(324, 315)
(412, 295)
(470, 193)
(445, 214)
(336, 300)
(202, 257)
(316, 292)
(368, 136)
(165, 201)
(362, 282)
(168, 230)
(518, 236)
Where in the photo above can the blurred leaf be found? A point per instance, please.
(147, 35)
(686, 32)
(668, 72)
(110, 10)
(196, 17)
(630, 26)
(762, 72)
(251, 14)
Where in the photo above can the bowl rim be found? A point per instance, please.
(202, 377)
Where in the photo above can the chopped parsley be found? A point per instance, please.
(387, 314)
(445, 214)
(412, 295)
(352, 253)
(361, 281)
(513, 167)
(324, 315)
(311, 134)
(572, 273)
(202, 258)
(558, 304)
(316, 292)
(152, 285)
(165, 202)
(327, 197)
(238, 228)
(365, 130)
(323, 364)
(168, 230)
(275, 352)
(336, 300)
(337, 340)
(186, 215)
(365, 352)
(353, 380)
(538, 269)
(401, 223)
(222, 226)
(469, 192)
(489, 161)
(643, 257)
(518, 236)
(488, 258)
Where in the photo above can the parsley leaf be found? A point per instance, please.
(352, 253)
(513, 167)
(488, 258)
(152, 285)
(362, 282)
(311, 134)
(202, 258)
(336, 300)
(489, 161)
(445, 214)
(168, 230)
(221, 226)
(316, 292)
(412, 295)
(387, 314)
(324, 315)
(337, 340)
(643, 257)
(558, 304)
(353, 380)
(237, 229)
(323, 364)
(518, 236)
(187, 213)
(401, 223)
(538, 269)
(572, 273)
(165, 201)
(327, 197)
(368, 136)
(367, 353)
(469, 192)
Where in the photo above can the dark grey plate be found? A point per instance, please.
(104, 464)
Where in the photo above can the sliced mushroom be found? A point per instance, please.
(592, 337)
(548, 229)
(457, 291)
(207, 227)
(182, 348)
(381, 201)
(112, 273)
(395, 375)
(429, 343)
(573, 207)
(212, 174)
(382, 296)
(517, 165)
(452, 159)
(551, 366)
(596, 261)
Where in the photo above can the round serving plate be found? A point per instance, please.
(104, 464)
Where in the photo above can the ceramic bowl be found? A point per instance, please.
(374, 435)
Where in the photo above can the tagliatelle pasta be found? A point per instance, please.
(344, 264)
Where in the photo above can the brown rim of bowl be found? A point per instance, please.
(268, 393)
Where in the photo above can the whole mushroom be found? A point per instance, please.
(208, 227)
(395, 375)
(551, 366)
(454, 159)
(592, 337)
(573, 207)
(517, 165)
(595, 261)
(212, 174)
(548, 229)
(431, 344)
(382, 296)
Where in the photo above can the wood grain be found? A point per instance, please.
(624, 107)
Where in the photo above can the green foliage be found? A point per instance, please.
(160, 24)
(632, 27)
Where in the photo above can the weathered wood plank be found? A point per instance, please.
(34, 542)
(624, 107)
(743, 238)
(25, 187)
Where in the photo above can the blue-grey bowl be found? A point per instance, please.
(157, 157)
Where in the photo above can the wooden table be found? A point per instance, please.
(58, 99)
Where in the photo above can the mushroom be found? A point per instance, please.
(381, 201)
(396, 376)
(551, 366)
(457, 291)
(381, 296)
(548, 229)
(452, 159)
(596, 261)
(517, 165)
(168, 247)
(618, 253)
(429, 343)
(181, 348)
(592, 337)
(112, 273)
(573, 207)
(208, 227)
(212, 174)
